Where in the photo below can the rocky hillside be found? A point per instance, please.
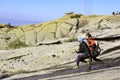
(69, 26)
(50, 46)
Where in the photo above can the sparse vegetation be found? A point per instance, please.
(71, 16)
(16, 44)
(93, 16)
(71, 40)
(83, 31)
(9, 25)
(76, 16)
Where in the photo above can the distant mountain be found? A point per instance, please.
(18, 22)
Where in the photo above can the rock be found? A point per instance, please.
(53, 55)
(69, 13)
(66, 26)
(49, 42)
(3, 75)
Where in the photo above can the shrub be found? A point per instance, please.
(93, 16)
(17, 44)
(9, 25)
(82, 31)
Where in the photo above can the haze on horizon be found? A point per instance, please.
(19, 12)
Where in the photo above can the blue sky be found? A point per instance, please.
(19, 12)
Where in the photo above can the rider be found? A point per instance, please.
(85, 52)
(93, 46)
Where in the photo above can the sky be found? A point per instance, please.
(19, 12)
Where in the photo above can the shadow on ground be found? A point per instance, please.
(107, 63)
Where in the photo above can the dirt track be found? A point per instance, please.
(110, 56)
(67, 70)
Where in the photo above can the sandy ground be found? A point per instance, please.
(110, 56)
